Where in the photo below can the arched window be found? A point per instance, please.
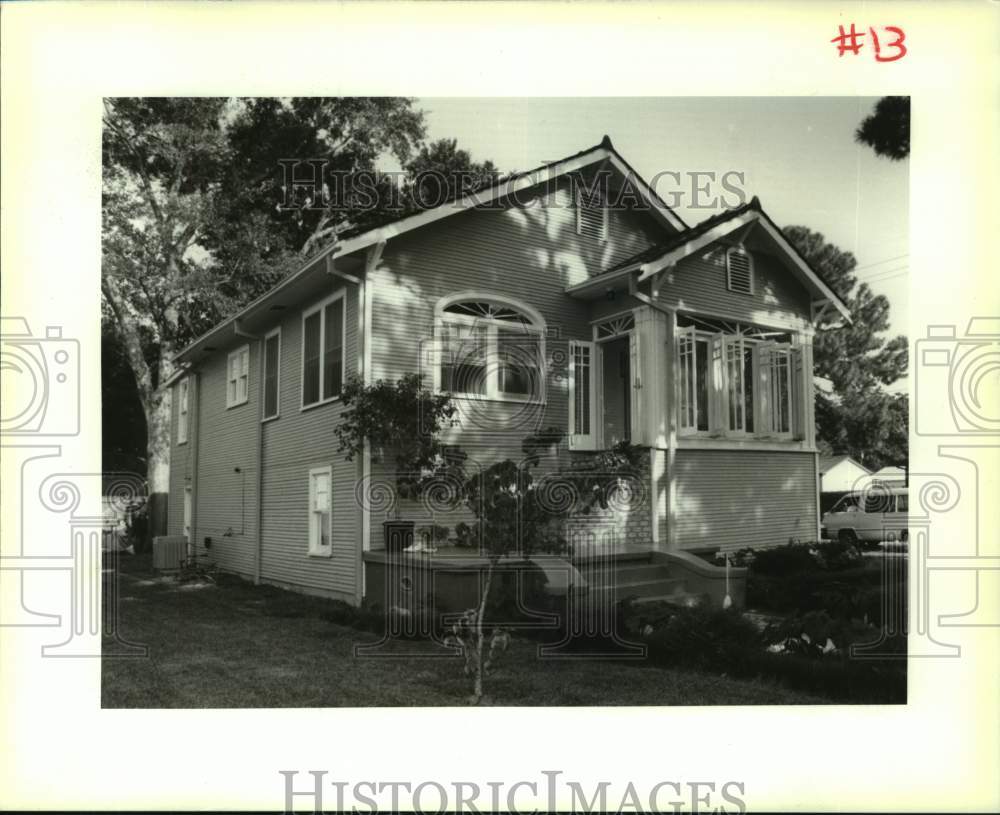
(491, 347)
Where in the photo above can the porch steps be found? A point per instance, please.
(631, 573)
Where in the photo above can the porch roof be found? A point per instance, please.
(655, 259)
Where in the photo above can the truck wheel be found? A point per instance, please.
(847, 536)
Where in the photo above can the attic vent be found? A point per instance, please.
(591, 214)
(739, 271)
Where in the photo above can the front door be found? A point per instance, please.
(617, 395)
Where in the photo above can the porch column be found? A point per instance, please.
(652, 418)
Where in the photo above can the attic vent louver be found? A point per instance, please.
(739, 271)
(591, 215)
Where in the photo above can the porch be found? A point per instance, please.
(449, 579)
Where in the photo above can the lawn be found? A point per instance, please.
(232, 644)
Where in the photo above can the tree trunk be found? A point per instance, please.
(477, 694)
(158, 461)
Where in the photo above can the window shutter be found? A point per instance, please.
(739, 271)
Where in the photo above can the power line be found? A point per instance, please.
(879, 263)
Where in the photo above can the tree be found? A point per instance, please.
(336, 142)
(887, 129)
(162, 160)
(193, 222)
(857, 416)
(516, 514)
(441, 172)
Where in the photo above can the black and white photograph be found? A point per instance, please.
(471, 401)
(499, 407)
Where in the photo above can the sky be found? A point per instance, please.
(797, 154)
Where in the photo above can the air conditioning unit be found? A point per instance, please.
(169, 552)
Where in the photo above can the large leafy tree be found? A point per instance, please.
(856, 362)
(887, 129)
(162, 161)
(442, 171)
(196, 220)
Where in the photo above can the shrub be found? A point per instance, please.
(700, 636)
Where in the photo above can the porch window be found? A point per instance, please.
(736, 381)
(272, 352)
(182, 411)
(320, 514)
(490, 349)
(582, 396)
(323, 340)
(238, 377)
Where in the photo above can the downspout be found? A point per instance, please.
(258, 543)
(195, 440)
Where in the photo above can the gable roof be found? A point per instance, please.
(656, 258)
(827, 463)
(351, 242)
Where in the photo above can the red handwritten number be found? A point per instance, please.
(896, 43)
(848, 41)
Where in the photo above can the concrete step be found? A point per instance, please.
(619, 555)
(682, 598)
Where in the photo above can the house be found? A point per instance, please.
(536, 304)
(838, 475)
(892, 476)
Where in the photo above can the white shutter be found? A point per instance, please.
(582, 395)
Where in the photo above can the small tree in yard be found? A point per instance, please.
(402, 418)
(514, 515)
(515, 512)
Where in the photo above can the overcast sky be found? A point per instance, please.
(797, 154)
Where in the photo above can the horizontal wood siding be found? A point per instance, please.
(294, 443)
(744, 498)
(226, 500)
(698, 283)
(531, 253)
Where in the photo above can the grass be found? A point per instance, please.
(232, 644)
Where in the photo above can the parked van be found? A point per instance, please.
(877, 514)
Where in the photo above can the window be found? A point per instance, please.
(490, 349)
(269, 381)
(182, 411)
(878, 501)
(736, 381)
(238, 377)
(323, 339)
(591, 213)
(739, 270)
(776, 377)
(582, 394)
(320, 512)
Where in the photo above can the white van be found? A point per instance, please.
(873, 515)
